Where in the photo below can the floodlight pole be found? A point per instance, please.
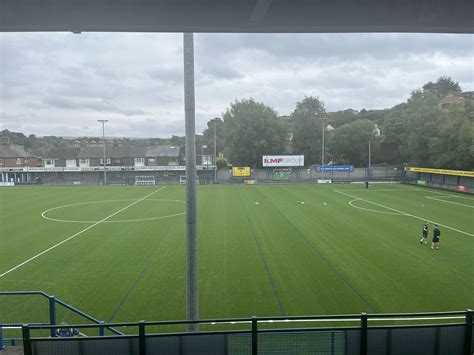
(369, 155)
(103, 144)
(192, 293)
(322, 148)
(215, 152)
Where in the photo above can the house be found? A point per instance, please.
(162, 155)
(13, 156)
(90, 156)
(456, 98)
(93, 156)
(14, 163)
(60, 158)
(204, 155)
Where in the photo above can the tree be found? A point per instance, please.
(222, 163)
(306, 125)
(443, 86)
(451, 146)
(252, 130)
(394, 136)
(339, 118)
(350, 142)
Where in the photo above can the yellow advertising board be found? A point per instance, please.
(241, 171)
(440, 171)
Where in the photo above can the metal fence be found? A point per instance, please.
(439, 181)
(415, 333)
(38, 308)
(207, 176)
(310, 175)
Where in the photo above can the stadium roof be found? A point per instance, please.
(12, 151)
(444, 16)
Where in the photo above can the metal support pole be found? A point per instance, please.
(369, 156)
(468, 333)
(25, 331)
(141, 338)
(103, 144)
(322, 149)
(52, 314)
(363, 334)
(192, 302)
(254, 336)
(101, 329)
(1, 338)
(215, 152)
(333, 342)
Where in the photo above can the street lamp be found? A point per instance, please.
(322, 149)
(376, 133)
(202, 160)
(215, 152)
(103, 143)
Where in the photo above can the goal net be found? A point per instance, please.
(182, 180)
(144, 180)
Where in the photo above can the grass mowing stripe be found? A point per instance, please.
(280, 305)
(318, 253)
(458, 269)
(405, 213)
(79, 233)
(130, 289)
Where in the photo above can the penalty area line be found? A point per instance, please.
(79, 233)
(405, 213)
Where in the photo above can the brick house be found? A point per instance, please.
(456, 98)
(162, 155)
(60, 158)
(13, 156)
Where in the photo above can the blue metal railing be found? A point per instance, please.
(52, 314)
(252, 329)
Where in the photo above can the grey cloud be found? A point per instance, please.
(220, 71)
(172, 75)
(59, 82)
(347, 46)
(84, 104)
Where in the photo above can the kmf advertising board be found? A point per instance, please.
(282, 160)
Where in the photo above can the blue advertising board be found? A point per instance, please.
(335, 168)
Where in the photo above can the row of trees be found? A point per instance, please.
(417, 132)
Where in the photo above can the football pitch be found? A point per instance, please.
(119, 253)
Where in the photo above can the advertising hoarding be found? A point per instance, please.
(440, 171)
(335, 168)
(282, 160)
(241, 171)
(282, 175)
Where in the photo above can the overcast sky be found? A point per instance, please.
(62, 83)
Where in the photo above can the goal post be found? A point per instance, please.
(145, 180)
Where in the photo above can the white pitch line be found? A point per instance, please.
(351, 203)
(454, 203)
(451, 195)
(79, 233)
(377, 190)
(406, 214)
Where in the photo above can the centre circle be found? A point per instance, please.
(44, 214)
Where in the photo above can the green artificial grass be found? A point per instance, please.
(345, 250)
